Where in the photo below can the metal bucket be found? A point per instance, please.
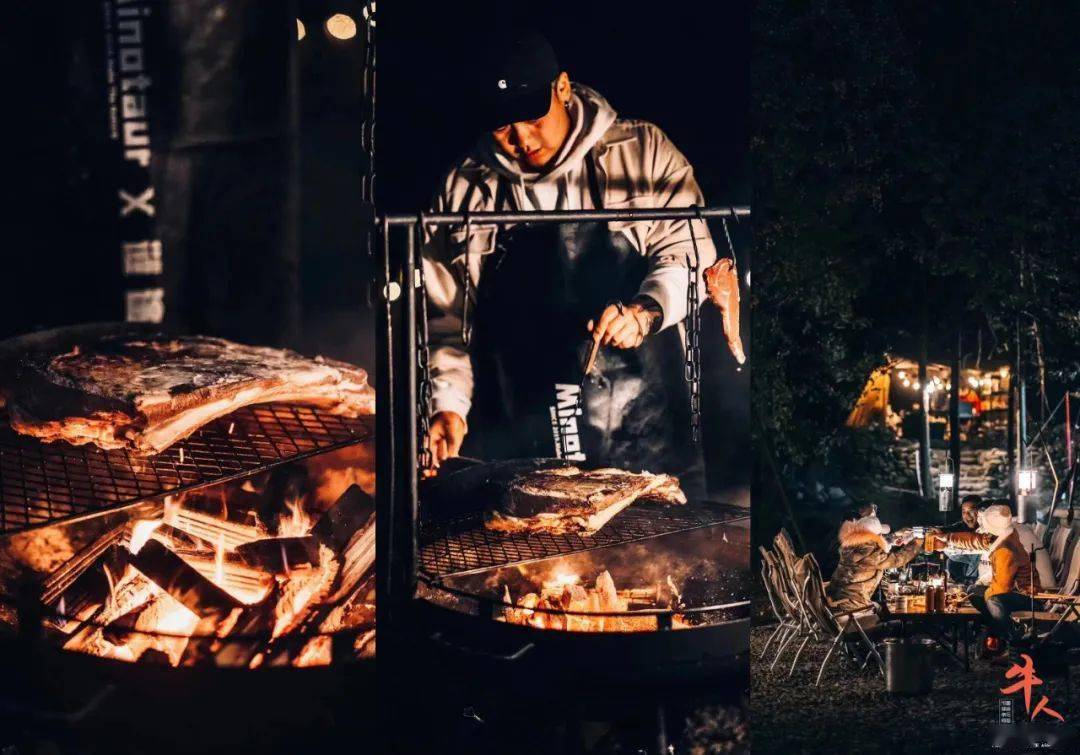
(909, 666)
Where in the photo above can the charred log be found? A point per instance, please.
(280, 554)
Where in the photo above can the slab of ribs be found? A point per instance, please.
(570, 500)
(145, 391)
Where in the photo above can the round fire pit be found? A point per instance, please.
(672, 608)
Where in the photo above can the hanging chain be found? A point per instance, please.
(466, 329)
(692, 366)
(727, 235)
(367, 125)
(423, 359)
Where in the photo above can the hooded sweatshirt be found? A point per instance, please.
(864, 557)
(637, 168)
(1010, 563)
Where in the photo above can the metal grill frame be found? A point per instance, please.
(47, 483)
(398, 560)
(462, 546)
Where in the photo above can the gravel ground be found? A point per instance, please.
(851, 712)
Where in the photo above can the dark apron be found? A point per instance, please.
(537, 290)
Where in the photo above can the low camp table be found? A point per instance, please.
(950, 630)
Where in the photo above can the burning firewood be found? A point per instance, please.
(185, 583)
(194, 587)
(560, 601)
(213, 529)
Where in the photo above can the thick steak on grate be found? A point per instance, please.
(573, 500)
(147, 391)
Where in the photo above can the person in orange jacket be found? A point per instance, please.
(1012, 582)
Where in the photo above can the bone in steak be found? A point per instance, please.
(722, 285)
(573, 500)
(147, 391)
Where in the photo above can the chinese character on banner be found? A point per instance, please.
(1027, 681)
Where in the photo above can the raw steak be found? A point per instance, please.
(572, 500)
(722, 285)
(145, 391)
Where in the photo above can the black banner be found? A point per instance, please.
(131, 29)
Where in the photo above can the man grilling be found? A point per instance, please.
(514, 311)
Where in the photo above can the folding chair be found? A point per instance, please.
(1069, 558)
(1059, 538)
(778, 603)
(836, 625)
(798, 623)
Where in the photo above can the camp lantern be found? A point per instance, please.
(1027, 481)
(946, 483)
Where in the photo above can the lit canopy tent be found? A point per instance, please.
(893, 392)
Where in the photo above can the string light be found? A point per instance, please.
(341, 26)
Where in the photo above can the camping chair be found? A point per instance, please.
(785, 551)
(798, 623)
(1061, 570)
(792, 572)
(837, 625)
(1064, 604)
(780, 604)
(1058, 540)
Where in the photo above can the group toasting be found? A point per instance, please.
(995, 559)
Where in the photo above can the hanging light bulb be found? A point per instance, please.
(300, 30)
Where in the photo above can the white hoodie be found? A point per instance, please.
(637, 168)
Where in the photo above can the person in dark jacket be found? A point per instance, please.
(864, 556)
(964, 566)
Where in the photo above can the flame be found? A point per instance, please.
(172, 508)
(219, 561)
(296, 523)
(562, 580)
(111, 601)
(175, 618)
(563, 591)
(141, 532)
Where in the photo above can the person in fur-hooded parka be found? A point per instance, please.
(864, 556)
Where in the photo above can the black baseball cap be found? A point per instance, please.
(516, 78)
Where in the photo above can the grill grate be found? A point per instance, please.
(462, 546)
(41, 483)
